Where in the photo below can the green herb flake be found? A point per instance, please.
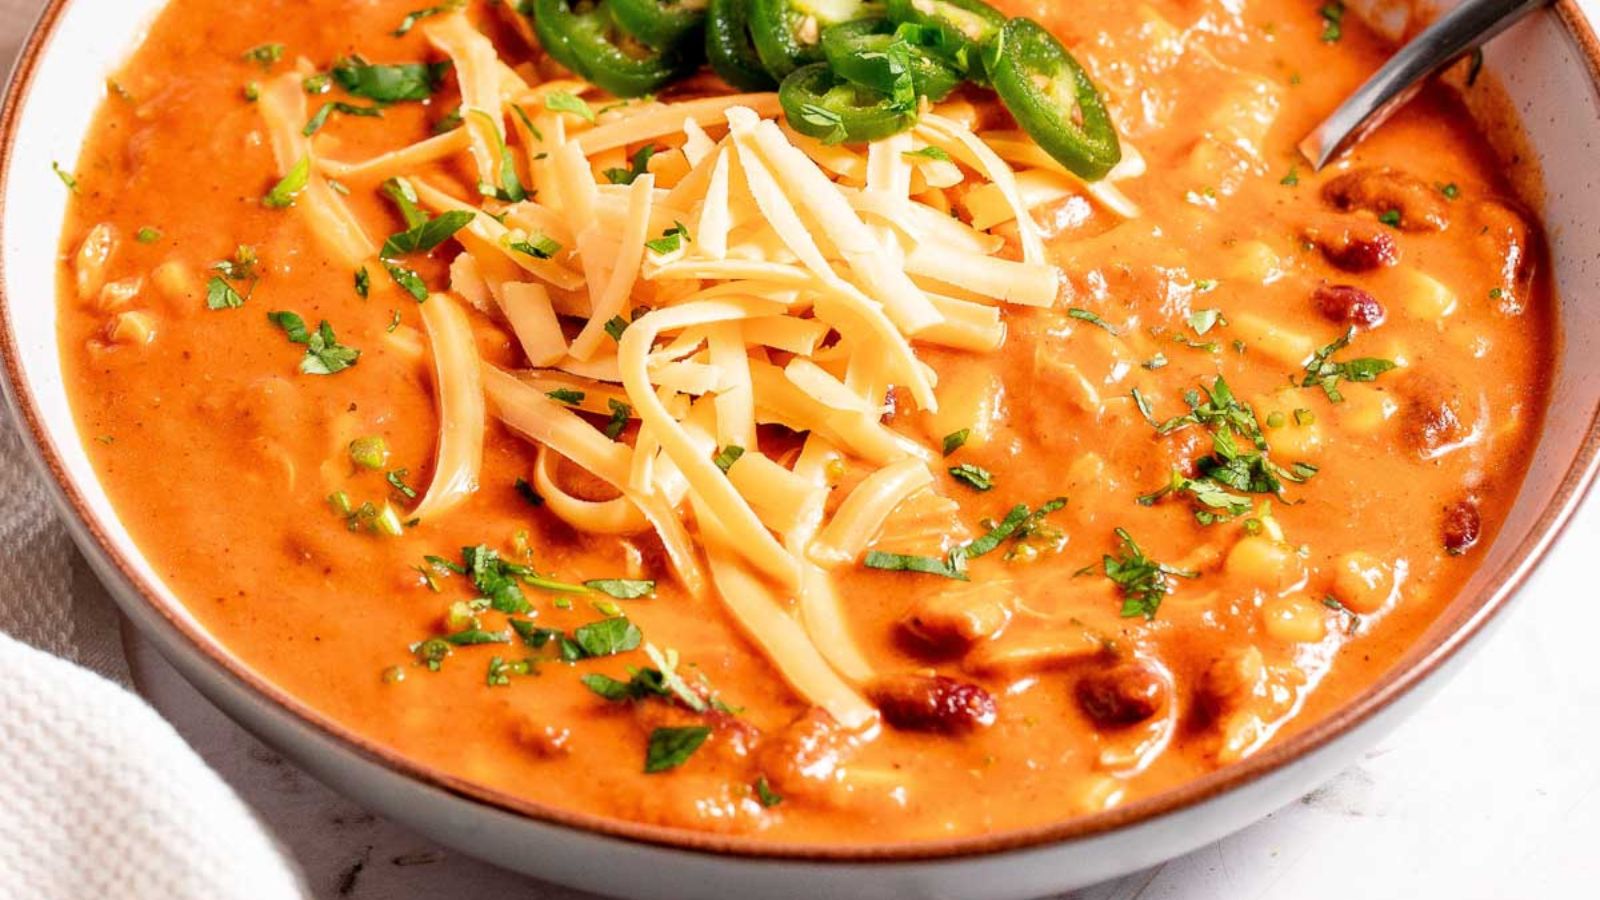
(620, 414)
(538, 246)
(148, 235)
(638, 165)
(416, 15)
(955, 440)
(1323, 372)
(1144, 583)
(952, 566)
(221, 295)
(975, 477)
(764, 792)
(1390, 217)
(363, 282)
(566, 395)
(929, 152)
(567, 102)
(615, 327)
(388, 83)
(427, 235)
(1451, 191)
(289, 187)
(1291, 179)
(1093, 319)
(727, 456)
(608, 637)
(409, 280)
(670, 748)
(622, 588)
(67, 178)
(264, 55)
(1332, 21)
(822, 117)
(324, 354)
(1203, 320)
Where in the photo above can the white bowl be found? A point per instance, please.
(1550, 69)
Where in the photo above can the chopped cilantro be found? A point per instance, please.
(727, 456)
(1332, 21)
(608, 637)
(527, 493)
(363, 282)
(538, 246)
(670, 748)
(822, 117)
(929, 152)
(620, 414)
(565, 395)
(638, 165)
(953, 566)
(320, 117)
(764, 792)
(1323, 372)
(264, 55)
(955, 440)
(975, 477)
(324, 354)
(564, 101)
(411, 19)
(221, 295)
(622, 588)
(409, 280)
(289, 187)
(427, 235)
(388, 83)
(148, 235)
(1144, 582)
(1093, 319)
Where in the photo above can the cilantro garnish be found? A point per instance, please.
(670, 748)
(324, 354)
(1144, 582)
(1323, 372)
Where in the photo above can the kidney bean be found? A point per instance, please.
(1410, 203)
(1346, 304)
(1462, 526)
(932, 703)
(1355, 246)
(1123, 694)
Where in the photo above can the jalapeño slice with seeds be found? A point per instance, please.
(1052, 98)
(788, 33)
(957, 30)
(870, 53)
(837, 112)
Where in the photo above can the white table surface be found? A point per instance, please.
(1492, 791)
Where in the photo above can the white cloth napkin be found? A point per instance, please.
(103, 798)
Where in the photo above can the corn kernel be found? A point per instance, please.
(175, 281)
(1265, 563)
(1295, 619)
(120, 293)
(1362, 582)
(133, 327)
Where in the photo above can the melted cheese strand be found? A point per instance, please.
(283, 109)
(708, 483)
(863, 513)
(458, 390)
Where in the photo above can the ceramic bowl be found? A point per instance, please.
(1549, 67)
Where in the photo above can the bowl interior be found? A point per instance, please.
(1547, 72)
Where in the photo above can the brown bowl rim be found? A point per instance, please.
(1468, 619)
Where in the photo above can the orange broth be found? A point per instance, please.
(221, 457)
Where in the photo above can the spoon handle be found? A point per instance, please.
(1468, 25)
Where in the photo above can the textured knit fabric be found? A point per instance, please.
(104, 799)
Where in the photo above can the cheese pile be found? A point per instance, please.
(746, 275)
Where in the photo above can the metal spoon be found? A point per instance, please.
(1470, 24)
